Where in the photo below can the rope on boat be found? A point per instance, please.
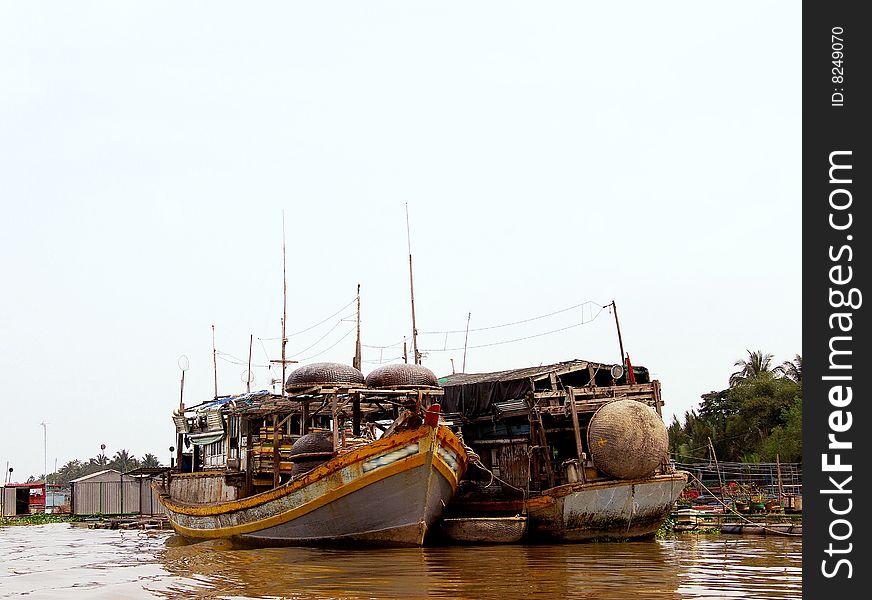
(475, 459)
(741, 516)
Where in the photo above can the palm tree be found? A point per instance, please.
(123, 460)
(150, 460)
(756, 364)
(792, 369)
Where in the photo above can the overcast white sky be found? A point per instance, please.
(550, 154)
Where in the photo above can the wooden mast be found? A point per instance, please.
(284, 303)
(416, 354)
(215, 361)
(465, 340)
(357, 353)
(620, 341)
(355, 401)
(285, 362)
(248, 376)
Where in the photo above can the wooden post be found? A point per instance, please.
(778, 471)
(304, 416)
(334, 408)
(277, 458)
(537, 435)
(655, 385)
(249, 455)
(570, 397)
(718, 469)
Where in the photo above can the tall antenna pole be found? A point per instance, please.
(182, 391)
(283, 360)
(355, 400)
(248, 378)
(215, 360)
(44, 453)
(357, 353)
(412, 290)
(184, 364)
(284, 303)
(465, 339)
(618, 325)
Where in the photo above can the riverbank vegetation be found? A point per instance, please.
(36, 519)
(122, 461)
(758, 418)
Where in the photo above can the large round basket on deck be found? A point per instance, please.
(310, 451)
(324, 373)
(401, 376)
(627, 439)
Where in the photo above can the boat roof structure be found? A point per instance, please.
(475, 394)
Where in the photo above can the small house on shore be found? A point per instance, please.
(111, 492)
(18, 499)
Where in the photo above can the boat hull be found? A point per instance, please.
(622, 509)
(485, 530)
(389, 492)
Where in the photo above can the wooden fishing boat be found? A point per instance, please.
(605, 509)
(280, 484)
(580, 447)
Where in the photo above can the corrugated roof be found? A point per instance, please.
(515, 374)
(95, 474)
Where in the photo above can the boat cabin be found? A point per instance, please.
(530, 426)
(232, 447)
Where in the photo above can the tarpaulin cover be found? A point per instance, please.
(474, 394)
(474, 399)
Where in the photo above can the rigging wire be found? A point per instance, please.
(518, 339)
(240, 363)
(310, 327)
(331, 346)
(551, 314)
(320, 339)
(395, 344)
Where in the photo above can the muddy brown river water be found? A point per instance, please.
(60, 561)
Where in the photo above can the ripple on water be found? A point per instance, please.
(59, 561)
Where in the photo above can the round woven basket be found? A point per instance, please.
(401, 375)
(627, 439)
(311, 450)
(325, 373)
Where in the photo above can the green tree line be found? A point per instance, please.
(756, 419)
(122, 461)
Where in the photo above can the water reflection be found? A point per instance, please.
(691, 567)
(58, 561)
